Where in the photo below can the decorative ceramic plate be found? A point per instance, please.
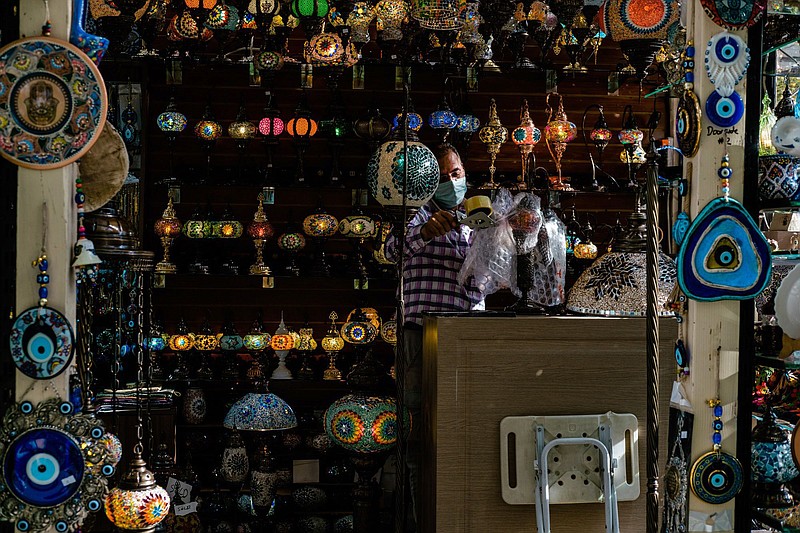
(53, 103)
(787, 303)
(716, 477)
(42, 343)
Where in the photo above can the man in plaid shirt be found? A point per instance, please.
(434, 249)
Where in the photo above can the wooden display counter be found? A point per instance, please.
(478, 371)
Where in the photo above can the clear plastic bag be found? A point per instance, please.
(491, 259)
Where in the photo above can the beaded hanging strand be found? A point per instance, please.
(47, 27)
(42, 278)
(725, 171)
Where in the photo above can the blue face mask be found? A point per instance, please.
(451, 193)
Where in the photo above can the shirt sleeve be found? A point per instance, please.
(413, 241)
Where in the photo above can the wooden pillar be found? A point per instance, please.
(55, 189)
(712, 326)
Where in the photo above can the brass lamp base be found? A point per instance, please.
(332, 373)
(560, 184)
(165, 267)
(260, 269)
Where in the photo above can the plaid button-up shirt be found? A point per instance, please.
(431, 268)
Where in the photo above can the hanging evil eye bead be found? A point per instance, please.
(725, 172)
(688, 65)
(43, 278)
(724, 111)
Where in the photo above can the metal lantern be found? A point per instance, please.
(493, 135)
(372, 128)
(558, 132)
(525, 136)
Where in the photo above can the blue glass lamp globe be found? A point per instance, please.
(442, 119)
(171, 120)
(385, 174)
(468, 123)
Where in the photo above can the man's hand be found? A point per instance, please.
(440, 223)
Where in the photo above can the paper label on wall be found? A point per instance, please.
(178, 490)
(185, 508)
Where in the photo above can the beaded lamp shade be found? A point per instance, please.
(414, 121)
(324, 49)
(640, 19)
(260, 412)
(468, 123)
(357, 226)
(241, 128)
(168, 225)
(437, 14)
(222, 17)
(385, 174)
(182, 340)
(320, 225)
(359, 328)
(268, 61)
(291, 241)
(363, 424)
(171, 122)
(493, 134)
(443, 118)
(208, 129)
(526, 134)
(137, 503)
(370, 313)
(390, 15)
(309, 8)
(260, 227)
(359, 20)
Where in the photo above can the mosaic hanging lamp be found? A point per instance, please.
(242, 130)
(386, 170)
(372, 128)
(640, 26)
(772, 464)
(332, 343)
(492, 135)
(301, 128)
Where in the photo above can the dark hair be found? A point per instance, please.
(441, 150)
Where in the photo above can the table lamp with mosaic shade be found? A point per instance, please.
(558, 132)
(256, 342)
(364, 423)
(320, 226)
(282, 342)
(526, 136)
(264, 414)
(230, 342)
(358, 227)
(179, 343)
(260, 230)
(305, 346)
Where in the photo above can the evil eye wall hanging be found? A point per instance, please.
(687, 120)
(42, 341)
(54, 466)
(726, 59)
(724, 255)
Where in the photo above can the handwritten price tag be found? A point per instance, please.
(185, 508)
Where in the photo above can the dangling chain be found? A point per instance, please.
(675, 507)
(115, 365)
(136, 307)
